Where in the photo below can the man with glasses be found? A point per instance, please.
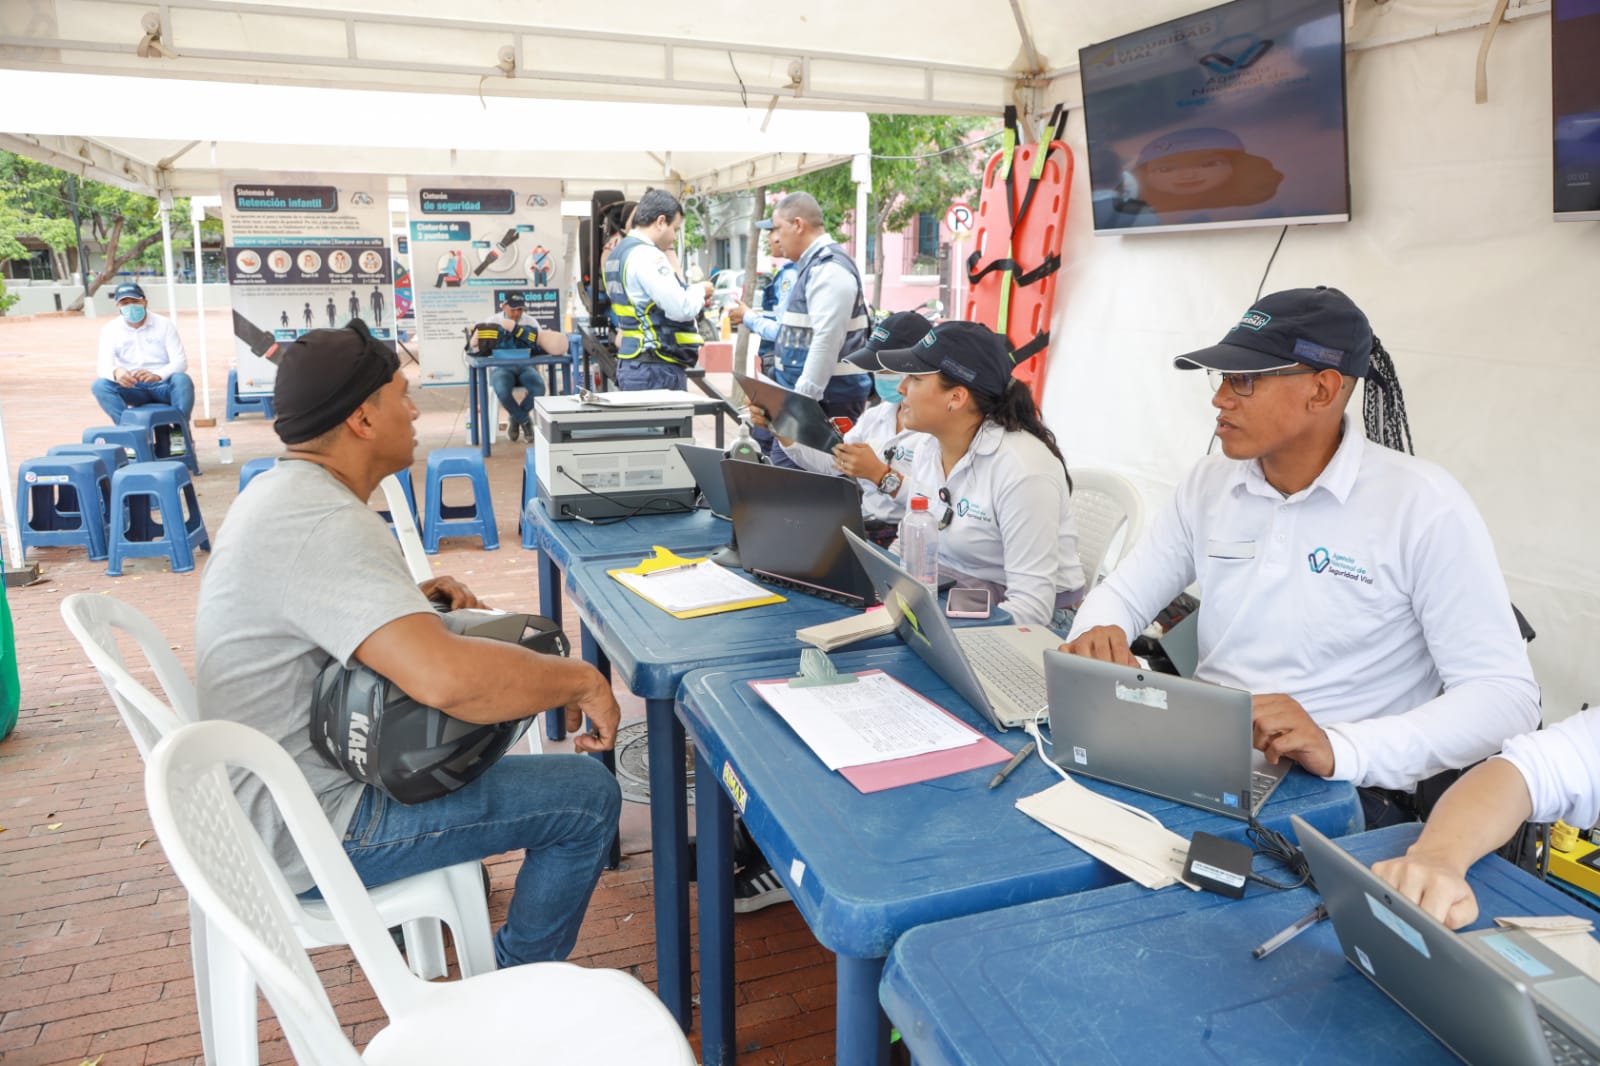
(1352, 587)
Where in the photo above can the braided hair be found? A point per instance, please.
(1383, 405)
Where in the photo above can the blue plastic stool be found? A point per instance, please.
(159, 423)
(114, 456)
(132, 438)
(530, 492)
(165, 486)
(411, 501)
(476, 520)
(248, 471)
(238, 405)
(61, 502)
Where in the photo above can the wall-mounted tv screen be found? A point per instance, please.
(1575, 69)
(1233, 116)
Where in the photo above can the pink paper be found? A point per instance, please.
(875, 777)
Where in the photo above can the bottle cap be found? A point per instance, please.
(919, 503)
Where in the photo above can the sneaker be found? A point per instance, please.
(514, 430)
(527, 431)
(756, 887)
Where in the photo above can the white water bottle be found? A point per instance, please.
(225, 450)
(919, 543)
(744, 446)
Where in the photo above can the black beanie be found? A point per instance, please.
(326, 374)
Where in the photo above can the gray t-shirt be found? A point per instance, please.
(302, 572)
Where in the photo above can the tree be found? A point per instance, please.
(920, 163)
(35, 201)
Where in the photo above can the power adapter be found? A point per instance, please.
(1217, 865)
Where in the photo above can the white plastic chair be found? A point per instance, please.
(225, 994)
(551, 1013)
(1103, 502)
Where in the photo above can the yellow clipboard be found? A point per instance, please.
(665, 560)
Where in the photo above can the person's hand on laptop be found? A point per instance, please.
(1106, 643)
(1283, 730)
(450, 592)
(1434, 881)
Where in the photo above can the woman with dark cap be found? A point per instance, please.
(996, 480)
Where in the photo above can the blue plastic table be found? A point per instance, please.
(652, 651)
(1128, 976)
(478, 367)
(863, 869)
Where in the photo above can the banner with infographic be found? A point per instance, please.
(473, 242)
(303, 251)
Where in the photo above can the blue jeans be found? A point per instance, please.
(177, 391)
(636, 375)
(561, 810)
(502, 379)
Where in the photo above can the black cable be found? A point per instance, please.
(1281, 234)
(1277, 847)
(677, 507)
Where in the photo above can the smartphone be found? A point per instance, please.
(967, 603)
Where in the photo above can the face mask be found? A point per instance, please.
(888, 386)
(133, 313)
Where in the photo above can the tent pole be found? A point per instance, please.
(166, 254)
(196, 213)
(861, 174)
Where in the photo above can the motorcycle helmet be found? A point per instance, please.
(364, 724)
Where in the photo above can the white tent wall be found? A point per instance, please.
(1487, 306)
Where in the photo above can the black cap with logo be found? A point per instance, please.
(1321, 328)
(968, 353)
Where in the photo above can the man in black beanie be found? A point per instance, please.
(304, 572)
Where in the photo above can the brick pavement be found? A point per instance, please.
(94, 938)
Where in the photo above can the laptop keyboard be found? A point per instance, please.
(1004, 669)
(1563, 1050)
(1260, 785)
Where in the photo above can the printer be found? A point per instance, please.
(608, 462)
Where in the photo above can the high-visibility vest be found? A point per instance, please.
(794, 333)
(646, 332)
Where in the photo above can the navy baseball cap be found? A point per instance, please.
(127, 291)
(1321, 328)
(515, 302)
(900, 330)
(969, 353)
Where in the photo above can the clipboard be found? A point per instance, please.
(664, 560)
(793, 416)
(817, 671)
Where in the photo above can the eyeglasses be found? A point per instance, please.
(1245, 384)
(949, 510)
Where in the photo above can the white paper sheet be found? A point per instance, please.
(641, 398)
(1144, 851)
(874, 720)
(705, 584)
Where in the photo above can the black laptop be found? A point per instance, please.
(789, 525)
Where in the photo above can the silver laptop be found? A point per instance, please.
(1490, 996)
(1169, 736)
(997, 669)
(705, 466)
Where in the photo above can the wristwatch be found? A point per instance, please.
(889, 483)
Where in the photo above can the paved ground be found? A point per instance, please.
(94, 953)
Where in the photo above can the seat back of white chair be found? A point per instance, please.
(95, 621)
(207, 840)
(218, 744)
(406, 529)
(1104, 502)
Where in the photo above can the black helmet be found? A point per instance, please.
(362, 723)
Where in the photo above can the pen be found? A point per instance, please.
(1016, 761)
(1277, 940)
(674, 569)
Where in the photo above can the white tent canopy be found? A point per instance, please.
(179, 134)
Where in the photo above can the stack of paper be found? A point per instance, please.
(690, 589)
(1145, 851)
(873, 720)
(830, 635)
(1565, 934)
(639, 398)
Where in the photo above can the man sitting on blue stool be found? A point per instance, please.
(504, 379)
(141, 359)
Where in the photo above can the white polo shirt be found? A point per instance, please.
(154, 346)
(1561, 766)
(1360, 596)
(1011, 518)
(876, 427)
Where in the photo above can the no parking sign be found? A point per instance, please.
(959, 218)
